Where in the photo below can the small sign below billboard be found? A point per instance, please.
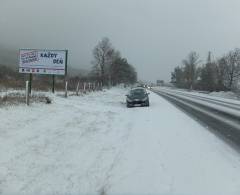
(43, 61)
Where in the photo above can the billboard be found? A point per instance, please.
(43, 61)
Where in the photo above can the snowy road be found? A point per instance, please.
(220, 115)
(91, 144)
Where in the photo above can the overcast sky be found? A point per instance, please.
(154, 35)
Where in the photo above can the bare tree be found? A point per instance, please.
(108, 65)
(220, 73)
(178, 77)
(232, 69)
(208, 75)
(190, 69)
(103, 53)
(123, 72)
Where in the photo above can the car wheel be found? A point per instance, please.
(147, 104)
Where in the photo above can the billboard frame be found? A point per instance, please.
(53, 75)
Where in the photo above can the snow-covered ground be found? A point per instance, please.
(220, 94)
(93, 143)
(231, 107)
(226, 94)
(227, 97)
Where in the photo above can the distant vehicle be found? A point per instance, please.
(137, 97)
(160, 82)
(149, 87)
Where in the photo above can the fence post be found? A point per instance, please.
(27, 93)
(77, 91)
(84, 87)
(89, 87)
(66, 89)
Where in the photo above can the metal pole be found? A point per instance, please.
(30, 83)
(53, 83)
(66, 71)
(66, 89)
(66, 63)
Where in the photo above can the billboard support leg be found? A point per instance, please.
(66, 89)
(53, 83)
(30, 83)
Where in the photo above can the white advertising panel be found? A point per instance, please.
(42, 61)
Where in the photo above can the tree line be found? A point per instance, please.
(221, 74)
(110, 67)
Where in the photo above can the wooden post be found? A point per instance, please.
(77, 90)
(27, 93)
(66, 89)
(84, 87)
(89, 86)
(53, 83)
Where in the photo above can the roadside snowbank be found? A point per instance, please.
(223, 94)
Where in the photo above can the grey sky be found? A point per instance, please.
(154, 35)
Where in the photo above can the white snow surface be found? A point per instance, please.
(214, 103)
(228, 97)
(93, 144)
(228, 94)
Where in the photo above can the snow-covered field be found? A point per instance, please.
(94, 144)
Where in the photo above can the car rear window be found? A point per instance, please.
(138, 91)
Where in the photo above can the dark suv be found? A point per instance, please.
(137, 96)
